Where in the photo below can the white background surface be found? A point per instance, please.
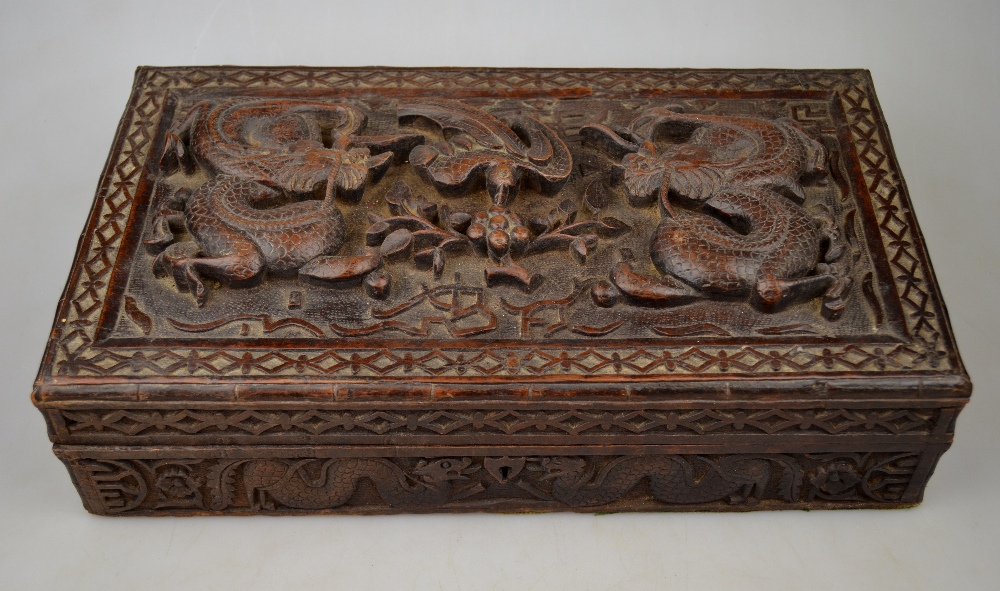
(66, 75)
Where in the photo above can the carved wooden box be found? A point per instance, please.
(381, 290)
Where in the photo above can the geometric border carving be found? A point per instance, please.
(264, 423)
(75, 352)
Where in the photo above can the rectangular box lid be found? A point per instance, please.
(387, 232)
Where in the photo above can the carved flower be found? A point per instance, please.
(836, 478)
(502, 230)
(178, 487)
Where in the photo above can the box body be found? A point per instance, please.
(380, 290)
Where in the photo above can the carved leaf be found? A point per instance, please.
(399, 241)
(459, 221)
(397, 197)
(790, 483)
(567, 211)
(425, 208)
(376, 232)
(595, 196)
(615, 226)
(424, 258)
(338, 268)
(377, 165)
(438, 262)
(351, 177)
(539, 225)
(220, 479)
(578, 248)
(377, 284)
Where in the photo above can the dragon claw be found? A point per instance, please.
(161, 236)
(178, 259)
(834, 299)
(196, 285)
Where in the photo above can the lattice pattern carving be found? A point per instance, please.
(152, 423)
(490, 362)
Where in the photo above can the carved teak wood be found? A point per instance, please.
(387, 290)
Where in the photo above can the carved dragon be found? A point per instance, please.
(288, 483)
(730, 195)
(268, 158)
(672, 479)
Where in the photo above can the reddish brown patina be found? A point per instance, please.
(389, 290)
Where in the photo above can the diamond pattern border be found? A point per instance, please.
(314, 422)
(73, 354)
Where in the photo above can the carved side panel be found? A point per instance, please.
(297, 484)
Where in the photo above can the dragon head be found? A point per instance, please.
(814, 161)
(443, 469)
(815, 164)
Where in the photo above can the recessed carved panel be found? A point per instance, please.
(692, 219)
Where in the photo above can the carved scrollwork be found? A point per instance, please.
(483, 147)
(461, 309)
(124, 485)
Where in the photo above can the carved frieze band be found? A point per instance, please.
(520, 361)
(75, 354)
(463, 422)
(258, 485)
